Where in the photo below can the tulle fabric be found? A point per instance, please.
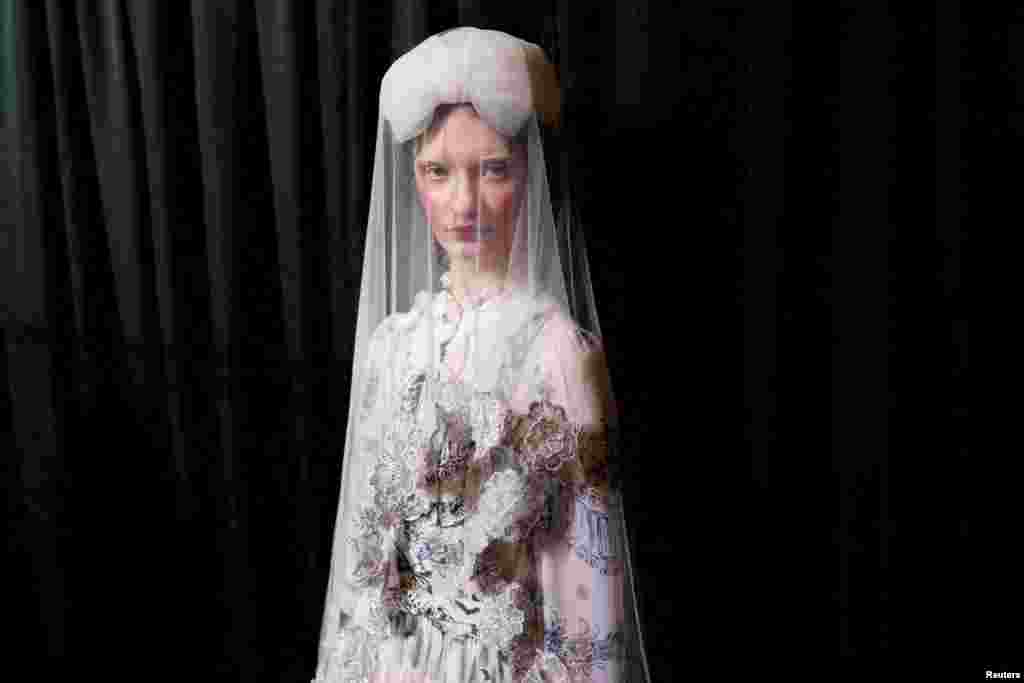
(479, 535)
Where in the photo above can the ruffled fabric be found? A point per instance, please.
(489, 548)
(425, 654)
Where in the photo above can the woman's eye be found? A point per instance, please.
(496, 168)
(435, 172)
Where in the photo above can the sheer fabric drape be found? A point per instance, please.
(479, 535)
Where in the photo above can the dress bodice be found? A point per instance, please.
(434, 486)
(486, 456)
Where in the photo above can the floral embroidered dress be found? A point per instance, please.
(489, 546)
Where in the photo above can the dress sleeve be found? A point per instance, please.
(579, 547)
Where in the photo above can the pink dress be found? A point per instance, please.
(489, 545)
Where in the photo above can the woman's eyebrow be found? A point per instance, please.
(497, 159)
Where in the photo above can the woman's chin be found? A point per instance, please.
(463, 251)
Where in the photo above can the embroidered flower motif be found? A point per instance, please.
(547, 668)
(414, 384)
(441, 556)
(546, 438)
(554, 638)
(487, 571)
(472, 524)
(580, 652)
(450, 449)
(501, 621)
(392, 482)
(526, 594)
(487, 418)
(533, 507)
(394, 486)
(501, 498)
(371, 565)
(522, 657)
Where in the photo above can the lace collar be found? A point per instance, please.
(476, 300)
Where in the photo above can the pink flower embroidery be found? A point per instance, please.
(550, 440)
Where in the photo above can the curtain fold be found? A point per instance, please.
(180, 268)
(193, 182)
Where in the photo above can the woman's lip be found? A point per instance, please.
(465, 233)
(484, 229)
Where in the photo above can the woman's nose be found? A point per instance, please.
(464, 202)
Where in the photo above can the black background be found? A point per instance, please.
(776, 201)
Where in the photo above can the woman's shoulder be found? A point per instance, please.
(390, 332)
(562, 332)
(572, 361)
(403, 321)
(552, 325)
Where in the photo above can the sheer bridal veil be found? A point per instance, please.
(524, 316)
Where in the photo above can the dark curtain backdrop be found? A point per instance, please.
(184, 211)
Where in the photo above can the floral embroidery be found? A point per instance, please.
(412, 393)
(436, 553)
(509, 508)
(430, 527)
(584, 650)
(551, 440)
(488, 571)
(450, 448)
(393, 491)
(371, 563)
(501, 621)
(547, 668)
(544, 438)
(394, 484)
(487, 417)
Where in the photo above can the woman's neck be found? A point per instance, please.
(467, 280)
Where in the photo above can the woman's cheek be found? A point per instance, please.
(430, 209)
(505, 208)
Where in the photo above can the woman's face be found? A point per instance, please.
(470, 181)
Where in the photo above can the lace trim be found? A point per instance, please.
(592, 539)
(477, 298)
(583, 651)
